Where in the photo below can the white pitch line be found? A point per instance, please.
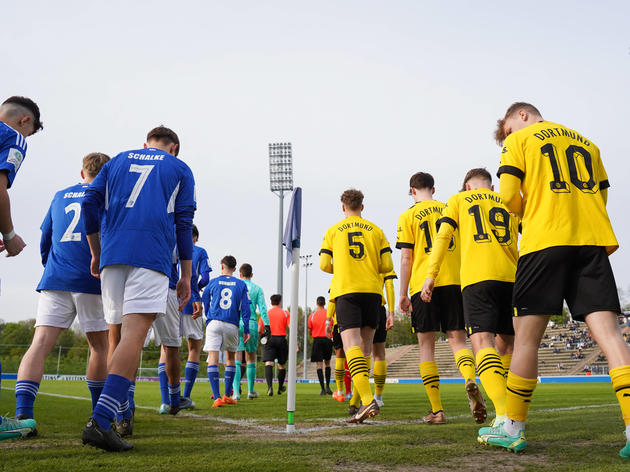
(340, 422)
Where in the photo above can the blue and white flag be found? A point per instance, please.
(293, 228)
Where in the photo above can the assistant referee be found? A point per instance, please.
(322, 344)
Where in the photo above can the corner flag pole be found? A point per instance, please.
(291, 241)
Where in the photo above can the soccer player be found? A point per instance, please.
(356, 252)
(144, 194)
(385, 323)
(276, 348)
(321, 352)
(19, 118)
(167, 330)
(554, 177)
(66, 290)
(258, 305)
(226, 301)
(488, 235)
(192, 321)
(417, 229)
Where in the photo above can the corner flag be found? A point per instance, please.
(291, 242)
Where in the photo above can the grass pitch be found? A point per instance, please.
(572, 427)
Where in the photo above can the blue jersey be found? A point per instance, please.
(145, 194)
(200, 265)
(65, 252)
(226, 299)
(12, 151)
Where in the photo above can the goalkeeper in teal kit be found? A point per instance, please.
(257, 298)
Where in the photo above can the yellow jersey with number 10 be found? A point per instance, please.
(355, 245)
(561, 175)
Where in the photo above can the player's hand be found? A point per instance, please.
(94, 267)
(405, 305)
(329, 328)
(197, 309)
(427, 290)
(183, 292)
(267, 332)
(389, 323)
(14, 246)
(246, 338)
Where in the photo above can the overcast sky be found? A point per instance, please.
(368, 93)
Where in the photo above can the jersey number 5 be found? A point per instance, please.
(144, 172)
(357, 248)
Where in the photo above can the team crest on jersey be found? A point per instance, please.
(504, 150)
(15, 157)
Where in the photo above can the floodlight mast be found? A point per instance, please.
(281, 181)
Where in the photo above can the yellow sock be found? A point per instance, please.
(519, 396)
(359, 371)
(620, 377)
(506, 360)
(492, 377)
(431, 380)
(355, 400)
(368, 361)
(380, 374)
(340, 370)
(465, 363)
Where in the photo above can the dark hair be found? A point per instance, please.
(94, 162)
(477, 172)
(31, 106)
(421, 180)
(165, 135)
(276, 299)
(195, 232)
(229, 262)
(246, 270)
(321, 301)
(352, 199)
(499, 133)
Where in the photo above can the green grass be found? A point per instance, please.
(579, 439)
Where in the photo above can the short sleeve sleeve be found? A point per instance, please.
(601, 173)
(450, 214)
(405, 237)
(12, 154)
(512, 158)
(384, 243)
(327, 244)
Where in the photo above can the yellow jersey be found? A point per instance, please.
(355, 245)
(488, 237)
(417, 228)
(561, 175)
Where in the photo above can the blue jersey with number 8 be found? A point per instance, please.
(226, 299)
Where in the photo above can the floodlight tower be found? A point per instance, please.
(281, 181)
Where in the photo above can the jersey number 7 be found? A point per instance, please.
(144, 172)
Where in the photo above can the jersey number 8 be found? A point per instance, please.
(226, 299)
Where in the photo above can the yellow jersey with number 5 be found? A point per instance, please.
(562, 176)
(355, 245)
(417, 228)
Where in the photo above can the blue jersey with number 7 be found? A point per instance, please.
(142, 191)
(64, 248)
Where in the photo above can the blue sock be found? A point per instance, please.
(132, 393)
(163, 382)
(25, 393)
(174, 394)
(95, 387)
(230, 370)
(115, 392)
(190, 375)
(123, 411)
(213, 376)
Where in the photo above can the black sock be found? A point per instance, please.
(269, 375)
(281, 375)
(327, 377)
(320, 376)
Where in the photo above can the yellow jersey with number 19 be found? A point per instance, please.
(488, 235)
(561, 175)
(417, 228)
(355, 245)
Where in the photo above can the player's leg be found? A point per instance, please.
(214, 340)
(490, 370)
(97, 365)
(505, 347)
(320, 373)
(340, 361)
(165, 404)
(113, 338)
(230, 343)
(192, 365)
(327, 371)
(283, 355)
(378, 351)
(269, 357)
(250, 357)
(238, 363)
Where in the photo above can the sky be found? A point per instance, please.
(367, 92)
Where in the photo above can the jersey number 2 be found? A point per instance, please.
(75, 208)
(144, 172)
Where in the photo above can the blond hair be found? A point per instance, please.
(93, 162)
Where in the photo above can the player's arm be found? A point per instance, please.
(391, 300)
(10, 241)
(246, 312)
(45, 243)
(326, 253)
(440, 248)
(204, 270)
(330, 316)
(510, 191)
(406, 262)
(262, 309)
(385, 262)
(310, 324)
(91, 210)
(511, 172)
(184, 212)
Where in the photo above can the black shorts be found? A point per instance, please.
(443, 313)
(337, 342)
(356, 310)
(488, 307)
(581, 275)
(381, 333)
(321, 349)
(276, 348)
